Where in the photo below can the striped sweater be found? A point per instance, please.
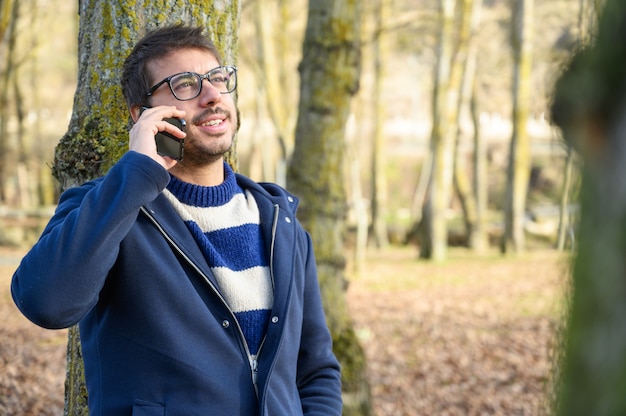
(225, 222)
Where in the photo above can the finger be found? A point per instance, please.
(174, 126)
(161, 112)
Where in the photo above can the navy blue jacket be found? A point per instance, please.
(157, 336)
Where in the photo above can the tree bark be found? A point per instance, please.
(565, 222)
(479, 236)
(434, 235)
(519, 153)
(329, 72)
(589, 107)
(379, 176)
(8, 27)
(466, 58)
(98, 131)
(271, 77)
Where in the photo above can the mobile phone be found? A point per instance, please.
(168, 145)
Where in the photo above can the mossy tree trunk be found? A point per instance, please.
(330, 71)
(98, 132)
(467, 191)
(589, 106)
(379, 159)
(519, 154)
(434, 227)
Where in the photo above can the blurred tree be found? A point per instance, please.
(271, 74)
(98, 131)
(588, 106)
(518, 174)
(330, 71)
(473, 199)
(8, 36)
(565, 224)
(587, 19)
(434, 228)
(34, 185)
(379, 159)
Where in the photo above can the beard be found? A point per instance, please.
(205, 148)
(198, 153)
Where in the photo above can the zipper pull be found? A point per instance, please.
(254, 367)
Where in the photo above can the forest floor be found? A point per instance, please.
(471, 336)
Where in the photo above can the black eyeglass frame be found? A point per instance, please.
(229, 68)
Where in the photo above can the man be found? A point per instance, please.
(195, 288)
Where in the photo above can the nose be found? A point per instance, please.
(209, 94)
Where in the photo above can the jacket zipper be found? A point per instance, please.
(252, 360)
(254, 363)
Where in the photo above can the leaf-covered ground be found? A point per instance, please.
(469, 337)
(32, 359)
(473, 336)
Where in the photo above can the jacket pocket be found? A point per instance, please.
(145, 408)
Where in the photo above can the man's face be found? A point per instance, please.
(211, 116)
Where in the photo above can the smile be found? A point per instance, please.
(215, 122)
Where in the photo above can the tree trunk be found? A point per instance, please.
(379, 176)
(329, 72)
(466, 58)
(519, 153)
(594, 367)
(564, 215)
(479, 236)
(41, 185)
(10, 17)
(589, 107)
(434, 236)
(98, 131)
(270, 75)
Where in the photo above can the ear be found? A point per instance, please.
(135, 112)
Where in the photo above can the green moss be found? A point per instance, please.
(75, 381)
(353, 368)
(89, 151)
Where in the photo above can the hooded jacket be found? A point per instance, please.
(157, 336)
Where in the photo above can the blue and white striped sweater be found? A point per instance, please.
(225, 222)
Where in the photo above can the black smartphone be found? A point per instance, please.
(168, 145)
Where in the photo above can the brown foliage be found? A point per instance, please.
(469, 337)
(32, 359)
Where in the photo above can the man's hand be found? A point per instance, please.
(147, 125)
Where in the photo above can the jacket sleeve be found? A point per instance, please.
(60, 278)
(319, 376)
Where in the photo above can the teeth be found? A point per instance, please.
(212, 123)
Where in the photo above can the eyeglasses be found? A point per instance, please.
(188, 85)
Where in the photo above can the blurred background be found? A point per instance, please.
(38, 64)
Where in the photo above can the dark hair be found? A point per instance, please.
(154, 45)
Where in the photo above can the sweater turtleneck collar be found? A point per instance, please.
(205, 196)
